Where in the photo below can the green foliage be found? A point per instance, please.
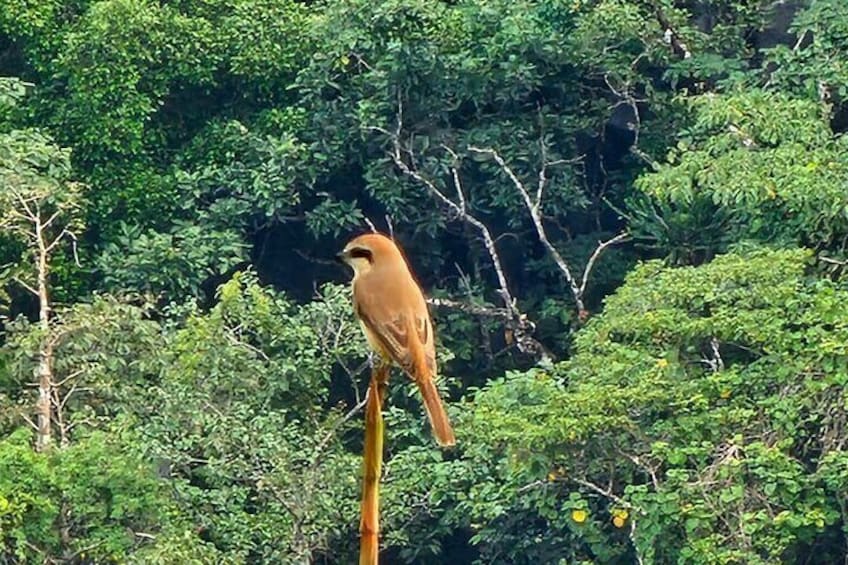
(812, 67)
(229, 406)
(202, 416)
(770, 162)
(93, 501)
(702, 401)
(40, 205)
(265, 41)
(115, 59)
(237, 420)
(242, 175)
(175, 264)
(33, 167)
(12, 92)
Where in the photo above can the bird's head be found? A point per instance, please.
(362, 253)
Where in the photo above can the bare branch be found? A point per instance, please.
(605, 493)
(57, 240)
(73, 556)
(531, 486)
(74, 243)
(590, 264)
(628, 99)
(535, 214)
(25, 202)
(378, 129)
(800, 41)
(546, 164)
(518, 325)
(833, 261)
(29, 421)
(25, 285)
(236, 341)
(535, 211)
(543, 174)
(52, 218)
(642, 465)
(61, 403)
(461, 211)
(474, 309)
(390, 226)
(456, 181)
(715, 362)
(632, 537)
(543, 170)
(70, 377)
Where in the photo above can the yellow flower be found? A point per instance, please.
(552, 476)
(725, 394)
(578, 516)
(618, 521)
(662, 363)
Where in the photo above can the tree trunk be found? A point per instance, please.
(44, 372)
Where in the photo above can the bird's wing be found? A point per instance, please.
(424, 328)
(407, 338)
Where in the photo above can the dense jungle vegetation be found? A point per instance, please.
(631, 217)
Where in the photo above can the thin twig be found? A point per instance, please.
(638, 462)
(606, 493)
(531, 486)
(73, 375)
(236, 341)
(344, 419)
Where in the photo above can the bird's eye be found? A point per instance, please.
(361, 253)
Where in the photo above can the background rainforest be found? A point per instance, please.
(632, 215)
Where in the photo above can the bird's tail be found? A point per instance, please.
(436, 412)
(369, 525)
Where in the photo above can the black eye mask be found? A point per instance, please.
(362, 253)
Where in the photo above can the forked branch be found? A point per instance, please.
(534, 208)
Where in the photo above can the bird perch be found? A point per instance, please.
(369, 525)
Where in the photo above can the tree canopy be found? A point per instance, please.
(630, 216)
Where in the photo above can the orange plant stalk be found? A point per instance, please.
(369, 524)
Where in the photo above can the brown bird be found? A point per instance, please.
(395, 319)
